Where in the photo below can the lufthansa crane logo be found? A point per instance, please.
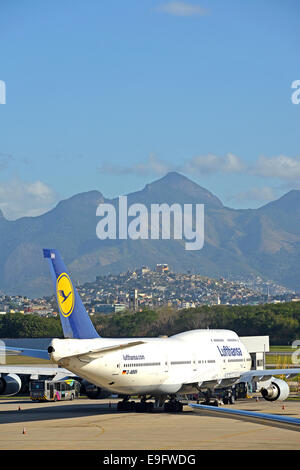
(65, 294)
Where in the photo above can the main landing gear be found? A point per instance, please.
(144, 406)
(173, 406)
(227, 399)
(139, 407)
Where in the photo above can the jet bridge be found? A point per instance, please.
(257, 347)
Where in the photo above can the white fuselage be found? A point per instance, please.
(185, 362)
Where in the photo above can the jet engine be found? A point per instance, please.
(10, 384)
(92, 391)
(277, 390)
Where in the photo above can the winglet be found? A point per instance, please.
(74, 318)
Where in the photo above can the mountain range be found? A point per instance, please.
(263, 241)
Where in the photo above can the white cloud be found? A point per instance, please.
(279, 167)
(19, 198)
(211, 164)
(200, 165)
(182, 9)
(153, 165)
(282, 167)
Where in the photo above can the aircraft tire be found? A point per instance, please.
(149, 407)
(173, 407)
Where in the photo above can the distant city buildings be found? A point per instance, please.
(25, 305)
(162, 268)
(146, 288)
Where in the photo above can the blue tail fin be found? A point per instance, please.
(74, 318)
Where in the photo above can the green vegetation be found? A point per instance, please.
(280, 361)
(17, 325)
(282, 348)
(24, 360)
(279, 321)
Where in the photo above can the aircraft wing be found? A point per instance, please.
(266, 374)
(258, 417)
(38, 353)
(36, 371)
(251, 376)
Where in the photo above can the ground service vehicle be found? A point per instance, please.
(54, 390)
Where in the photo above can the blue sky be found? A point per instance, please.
(110, 95)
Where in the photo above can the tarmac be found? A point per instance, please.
(85, 424)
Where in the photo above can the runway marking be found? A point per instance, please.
(89, 426)
(101, 432)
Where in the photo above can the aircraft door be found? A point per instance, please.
(112, 363)
(116, 366)
(195, 362)
(166, 363)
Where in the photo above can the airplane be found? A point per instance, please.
(163, 368)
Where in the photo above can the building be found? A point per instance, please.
(133, 300)
(104, 308)
(257, 347)
(162, 268)
(145, 270)
(119, 307)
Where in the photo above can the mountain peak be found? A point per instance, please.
(185, 190)
(174, 176)
(263, 241)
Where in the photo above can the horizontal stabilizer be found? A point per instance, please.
(95, 353)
